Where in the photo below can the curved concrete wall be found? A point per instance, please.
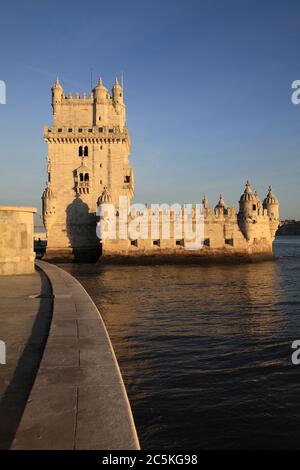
(78, 400)
(16, 240)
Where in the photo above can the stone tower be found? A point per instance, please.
(88, 150)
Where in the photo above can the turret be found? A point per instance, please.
(117, 96)
(117, 93)
(100, 92)
(49, 206)
(105, 211)
(104, 198)
(248, 202)
(221, 207)
(271, 205)
(57, 96)
(102, 102)
(247, 212)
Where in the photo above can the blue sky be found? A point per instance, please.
(207, 88)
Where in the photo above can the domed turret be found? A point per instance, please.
(57, 87)
(57, 96)
(221, 203)
(100, 92)
(117, 93)
(248, 202)
(248, 194)
(118, 102)
(221, 207)
(105, 197)
(49, 205)
(248, 212)
(271, 205)
(48, 193)
(105, 211)
(271, 199)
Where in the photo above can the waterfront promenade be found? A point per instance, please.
(61, 387)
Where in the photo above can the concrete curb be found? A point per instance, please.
(78, 400)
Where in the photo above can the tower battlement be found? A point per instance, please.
(100, 107)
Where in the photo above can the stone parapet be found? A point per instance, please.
(16, 248)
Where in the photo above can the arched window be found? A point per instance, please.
(81, 177)
(80, 151)
(86, 151)
(86, 177)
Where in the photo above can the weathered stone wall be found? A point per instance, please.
(222, 236)
(16, 244)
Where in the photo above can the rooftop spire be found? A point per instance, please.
(248, 187)
(205, 201)
(57, 83)
(271, 198)
(221, 203)
(247, 194)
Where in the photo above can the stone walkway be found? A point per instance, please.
(25, 315)
(78, 400)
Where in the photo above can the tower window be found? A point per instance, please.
(82, 183)
(100, 129)
(90, 130)
(254, 207)
(59, 130)
(229, 241)
(70, 129)
(86, 151)
(126, 179)
(49, 177)
(80, 151)
(79, 130)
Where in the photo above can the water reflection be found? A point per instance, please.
(205, 351)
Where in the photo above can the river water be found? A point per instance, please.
(205, 352)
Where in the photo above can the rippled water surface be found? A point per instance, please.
(205, 352)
